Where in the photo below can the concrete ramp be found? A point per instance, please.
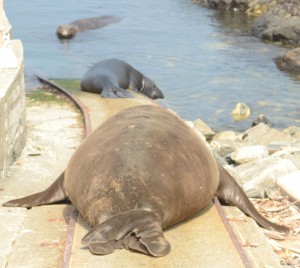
(200, 242)
(43, 236)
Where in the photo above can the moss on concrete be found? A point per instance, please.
(68, 84)
(45, 96)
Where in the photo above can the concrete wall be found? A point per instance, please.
(12, 97)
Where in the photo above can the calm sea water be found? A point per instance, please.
(204, 61)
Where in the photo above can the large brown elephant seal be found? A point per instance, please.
(67, 31)
(140, 172)
(111, 77)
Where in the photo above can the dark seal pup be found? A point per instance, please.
(140, 172)
(68, 31)
(111, 77)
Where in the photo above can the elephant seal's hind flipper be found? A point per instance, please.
(139, 230)
(55, 193)
(232, 194)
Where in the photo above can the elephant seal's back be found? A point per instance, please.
(143, 157)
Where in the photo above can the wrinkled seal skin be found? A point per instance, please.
(111, 77)
(140, 172)
(68, 31)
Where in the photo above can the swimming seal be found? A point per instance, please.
(140, 172)
(68, 31)
(111, 77)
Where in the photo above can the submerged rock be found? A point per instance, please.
(241, 111)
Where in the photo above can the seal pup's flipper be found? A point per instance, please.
(115, 92)
(232, 194)
(138, 230)
(55, 193)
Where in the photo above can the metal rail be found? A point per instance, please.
(78, 103)
(87, 130)
(235, 241)
(74, 213)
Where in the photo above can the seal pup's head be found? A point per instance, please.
(66, 31)
(150, 89)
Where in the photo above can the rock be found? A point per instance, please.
(223, 148)
(291, 153)
(224, 143)
(293, 131)
(235, 5)
(262, 134)
(220, 159)
(290, 185)
(199, 133)
(204, 129)
(257, 7)
(227, 135)
(289, 62)
(249, 153)
(261, 119)
(241, 111)
(280, 23)
(258, 178)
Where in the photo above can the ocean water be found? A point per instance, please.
(204, 61)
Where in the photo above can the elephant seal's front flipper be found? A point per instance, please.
(138, 230)
(232, 194)
(55, 193)
(115, 92)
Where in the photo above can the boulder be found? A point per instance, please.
(280, 23)
(227, 135)
(224, 143)
(258, 178)
(262, 134)
(261, 119)
(290, 185)
(249, 153)
(291, 153)
(289, 62)
(235, 5)
(223, 147)
(204, 129)
(293, 131)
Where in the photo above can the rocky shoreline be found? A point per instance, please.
(266, 162)
(262, 159)
(276, 21)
